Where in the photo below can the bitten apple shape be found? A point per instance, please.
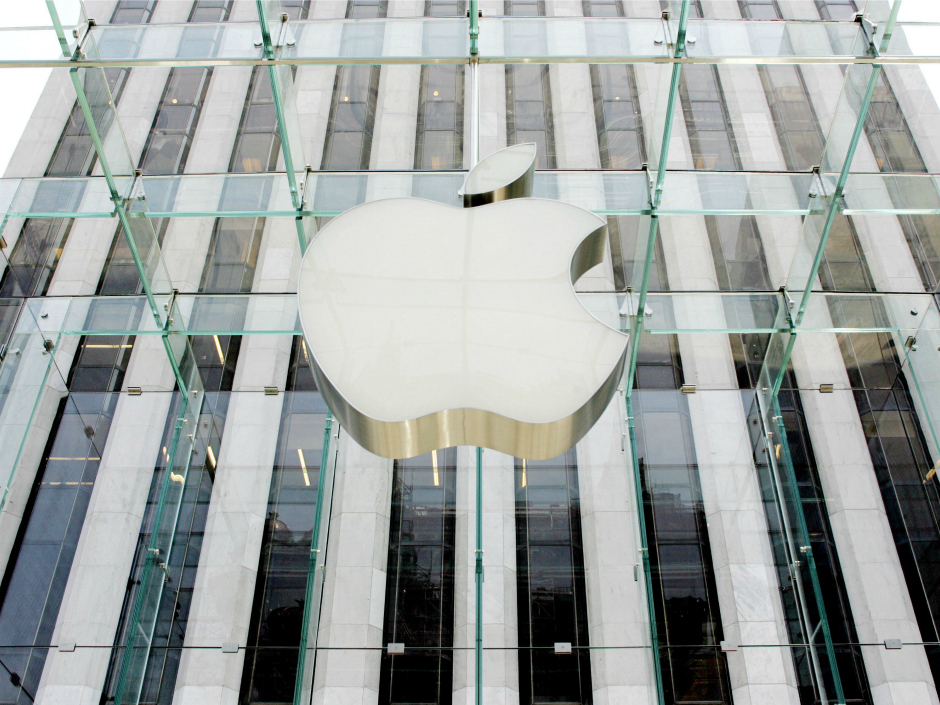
(432, 326)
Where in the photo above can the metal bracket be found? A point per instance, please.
(869, 29)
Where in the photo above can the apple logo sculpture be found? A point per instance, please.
(432, 326)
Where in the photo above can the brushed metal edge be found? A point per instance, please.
(469, 427)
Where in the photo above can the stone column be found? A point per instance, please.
(618, 620)
(500, 599)
(352, 612)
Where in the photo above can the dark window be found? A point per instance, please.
(843, 266)
(366, 9)
(167, 148)
(695, 8)
(895, 438)
(524, 8)
(233, 249)
(707, 119)
(759, 9)
(352, 118)
(529, 111)
(617, 113)
(235, 243)
(295, 9)
(550, 574)
(739, 263)
(629, 235)
(738, 254)
(602, 8)
(133, 11)
(837, 9)
(274, 633)
(419, 598)
(41, 559)
(439, 143)
(210, 11)
(445, 8)
(902, 464)
(889, 134)
(794, 118)
(690, 630)
(828, 568)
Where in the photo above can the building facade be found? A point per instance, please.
(755, 518)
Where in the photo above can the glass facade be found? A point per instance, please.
(753, 519)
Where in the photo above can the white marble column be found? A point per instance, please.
(500, 600)
(41, 134)
(352, 612)
(618, 620)
(26, 419)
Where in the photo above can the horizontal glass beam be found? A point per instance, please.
(676, 312)
(444, 39)
(331, 193)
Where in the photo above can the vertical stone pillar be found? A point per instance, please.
(352, 612)
(618, 621)
(500, 600)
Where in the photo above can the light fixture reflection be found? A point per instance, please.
(211, 456)
(437, 478)
(931, 473)
(303, 466)
(218, 349)
(523, 473)
(303, 344)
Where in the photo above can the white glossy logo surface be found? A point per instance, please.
(432, 326)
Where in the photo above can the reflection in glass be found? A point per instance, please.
(419, 601)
